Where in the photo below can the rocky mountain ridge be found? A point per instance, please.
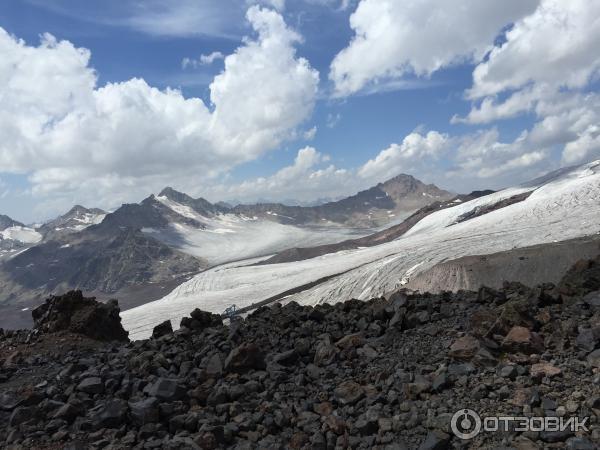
(7, 222)
(375, 206)
(76, 219)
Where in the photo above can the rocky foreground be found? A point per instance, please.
(387, 373)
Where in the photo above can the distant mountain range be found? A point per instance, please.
(147, 247)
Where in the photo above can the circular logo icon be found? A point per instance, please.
(466, 424)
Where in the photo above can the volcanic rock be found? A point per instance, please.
(244, 358)
(162, 329)
(464, 348)
(521, 339)
(75, 313)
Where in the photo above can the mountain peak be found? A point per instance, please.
(400, 177)
(175, 195)
(168, 191)
(77, 209)
(7, 222)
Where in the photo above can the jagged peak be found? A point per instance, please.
(168, 191)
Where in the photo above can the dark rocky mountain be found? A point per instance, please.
(200, 205)
(7, 222)
(388, 373)
(376, 206)
(98, 261)
(149, 213)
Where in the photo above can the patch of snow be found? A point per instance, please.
(22, 234)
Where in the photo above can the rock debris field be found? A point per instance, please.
(384, 374)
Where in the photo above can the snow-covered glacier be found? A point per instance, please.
(562, 205)
(232, 237)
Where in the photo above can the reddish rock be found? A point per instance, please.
(244, 358)
(324, 408)
(464, 348)
(351, 341)
(544, 369)
(521, 339)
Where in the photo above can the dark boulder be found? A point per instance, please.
(244, 358)
(201, 320)
(162, 329)
(165, 389)
(144, 411)
(75, 313)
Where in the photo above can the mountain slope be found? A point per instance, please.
(95, 262)
(562, 206)
(373, 207)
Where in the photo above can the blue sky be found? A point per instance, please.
(357, 92)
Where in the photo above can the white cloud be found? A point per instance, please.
(533, 65)
(113, 143)
(393, 39)
(545, 65)
(309, 177)
(586, 144)
(557, 45)
(484, 156)
(204, 60)
(404, 157)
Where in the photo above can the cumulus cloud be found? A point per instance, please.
(393, 39)
(545, 65)
(555, 46)
(484, 156)
(405, 157)
(462, 162)
(113, 142)
(533, 64)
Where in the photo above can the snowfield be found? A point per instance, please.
(230, 237)
(21, 234)
(563, 205)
